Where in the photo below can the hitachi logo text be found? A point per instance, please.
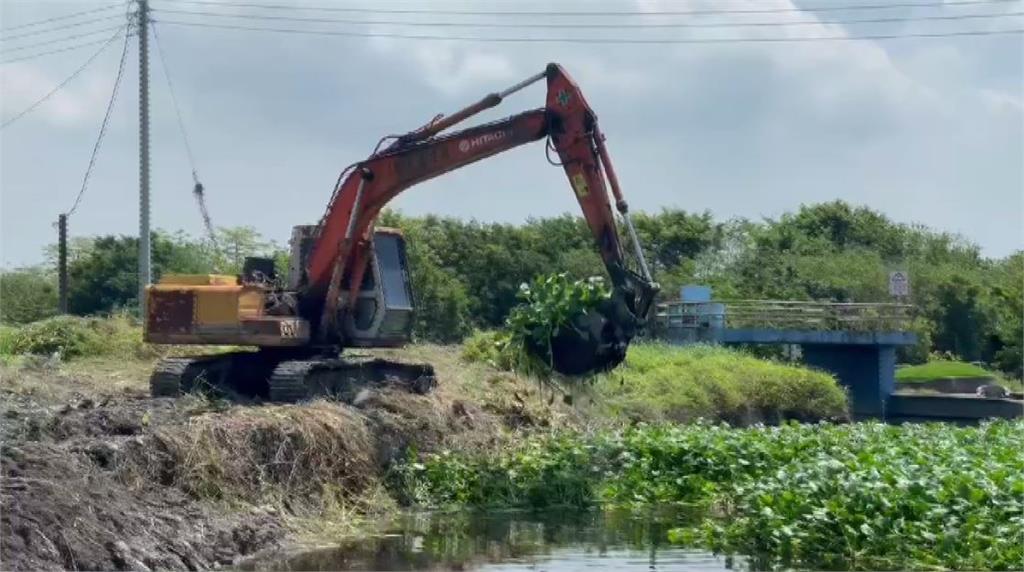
(467, 145)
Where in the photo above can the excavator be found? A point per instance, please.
(348, 283)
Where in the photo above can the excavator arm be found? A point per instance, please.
(341, 248)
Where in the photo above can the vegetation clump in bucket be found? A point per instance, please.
(549, 306)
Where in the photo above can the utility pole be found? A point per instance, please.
(62, 263)
(144, 248)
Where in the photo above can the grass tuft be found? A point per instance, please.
(940, 369)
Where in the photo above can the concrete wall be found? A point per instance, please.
(867, 373)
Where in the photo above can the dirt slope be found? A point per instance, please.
(97, 475)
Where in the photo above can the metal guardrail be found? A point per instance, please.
(785, 315)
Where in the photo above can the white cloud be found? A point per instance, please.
(24, 84)
(448, 67)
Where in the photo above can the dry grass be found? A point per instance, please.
(522, 402)
(54, 382)
(261, 455)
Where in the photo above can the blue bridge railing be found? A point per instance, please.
(785, 315)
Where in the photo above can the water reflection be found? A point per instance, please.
(507, 541)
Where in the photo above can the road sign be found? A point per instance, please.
(899, 283)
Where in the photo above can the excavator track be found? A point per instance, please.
(295, 380)
(288, 382)
(167, 377)
(174, 376)
(255, 375)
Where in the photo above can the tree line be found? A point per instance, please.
(466, 274)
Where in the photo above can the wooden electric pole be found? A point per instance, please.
(62, 264)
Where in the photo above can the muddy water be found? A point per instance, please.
(510, 541)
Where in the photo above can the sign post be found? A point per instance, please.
(899, 284)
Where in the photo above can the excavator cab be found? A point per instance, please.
(382, 315)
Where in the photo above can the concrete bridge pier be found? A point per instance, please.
(866, 371)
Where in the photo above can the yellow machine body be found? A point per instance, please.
(216, 309)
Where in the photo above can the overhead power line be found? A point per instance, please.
(197, 189)
(64, 17)
(6, 38)
(584, 25)
(448, 12)
(103, 127)
(57, 51)
(596, 40)
(61, 85)
(174, 102)
(62, 39)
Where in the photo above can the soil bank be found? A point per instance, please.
(98, 475)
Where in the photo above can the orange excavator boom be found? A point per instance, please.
(343, 238)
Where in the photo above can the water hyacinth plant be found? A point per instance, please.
(863, 496)
(549, 305)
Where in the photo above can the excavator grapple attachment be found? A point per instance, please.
(597, 341)
(592, 345)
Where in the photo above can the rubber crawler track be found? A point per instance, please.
(288, 382)
(166, 378)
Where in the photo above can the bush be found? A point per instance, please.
(73, 337)
(489, 348)
(27, 295)
(8, 336)
(671, 383)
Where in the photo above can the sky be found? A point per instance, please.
(925, 130)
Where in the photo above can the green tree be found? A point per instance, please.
(1007, 315)
(27, 295)
(106, 277)
(960, 320)
(234, 244)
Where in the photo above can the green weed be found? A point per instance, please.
(74, 337)
(548, 305)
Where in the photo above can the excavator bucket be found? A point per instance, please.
(597, 341)
(593, 344)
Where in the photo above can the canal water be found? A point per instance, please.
(510, 541)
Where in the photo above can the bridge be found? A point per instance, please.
(856, 342)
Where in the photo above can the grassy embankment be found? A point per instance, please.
(323, 466)
(853, 496)
(326, 451)
(658, 382)
(940, 369)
